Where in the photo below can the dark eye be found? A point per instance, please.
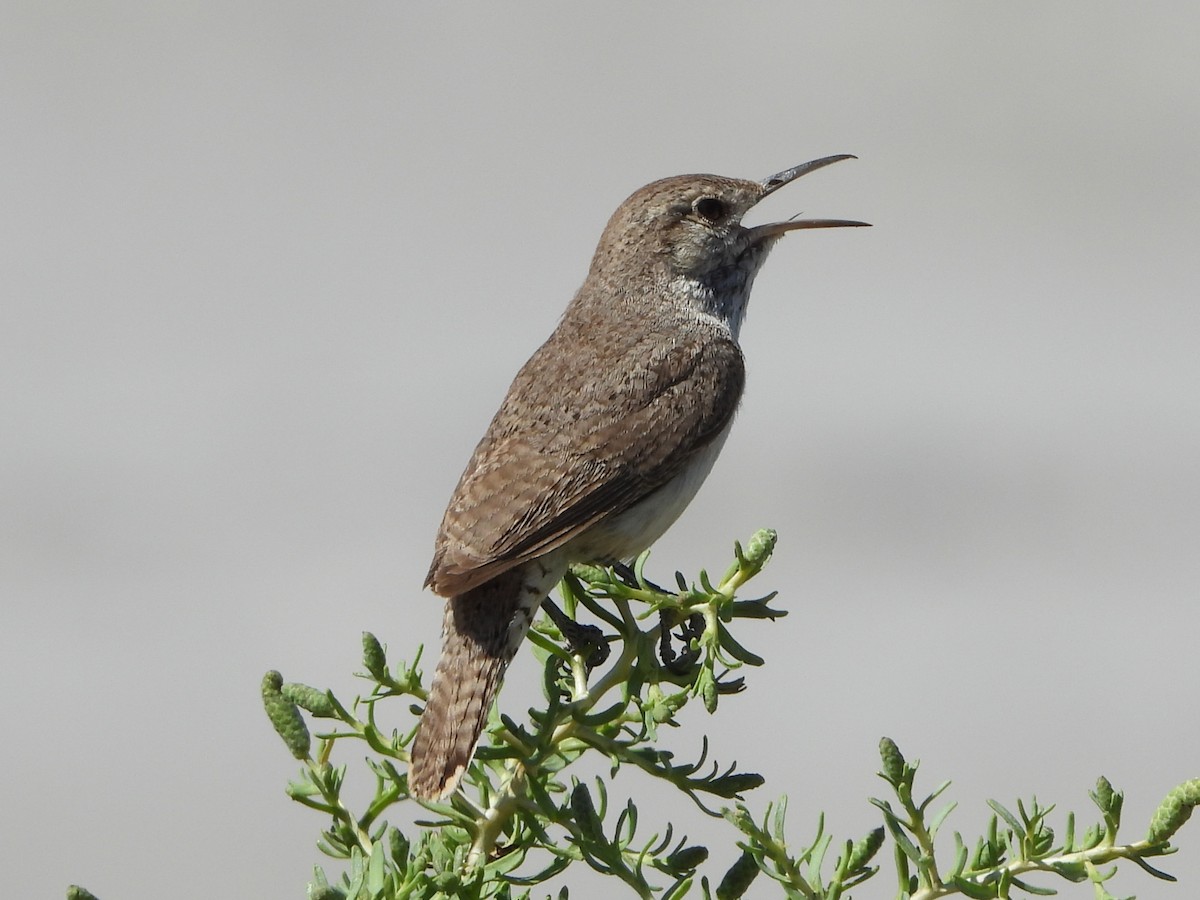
(710, 209)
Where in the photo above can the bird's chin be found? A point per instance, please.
(756, 250)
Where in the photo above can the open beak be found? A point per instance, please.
(775, 182)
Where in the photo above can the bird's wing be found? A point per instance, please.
(567, 451)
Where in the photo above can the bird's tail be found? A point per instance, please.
(481, 632)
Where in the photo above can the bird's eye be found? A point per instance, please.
(710, 209)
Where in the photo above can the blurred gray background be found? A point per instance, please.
(268, 269)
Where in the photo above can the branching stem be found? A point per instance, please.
(1096, 856)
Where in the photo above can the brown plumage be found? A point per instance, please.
(604, 437)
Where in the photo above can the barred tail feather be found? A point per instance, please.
(481, 632)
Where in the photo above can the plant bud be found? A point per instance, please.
(374, 660)
(739, 878)
(285, 716)
(893, 760)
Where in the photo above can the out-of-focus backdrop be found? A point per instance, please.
(268, 269)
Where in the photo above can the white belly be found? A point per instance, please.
(624, 536)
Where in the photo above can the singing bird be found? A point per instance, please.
(604, 437)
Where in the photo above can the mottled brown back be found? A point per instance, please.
(532, 485)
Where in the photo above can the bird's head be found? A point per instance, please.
(683, 238)
(691, 225)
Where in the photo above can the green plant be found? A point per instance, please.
(522, 817)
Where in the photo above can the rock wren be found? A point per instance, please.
(604, 437)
